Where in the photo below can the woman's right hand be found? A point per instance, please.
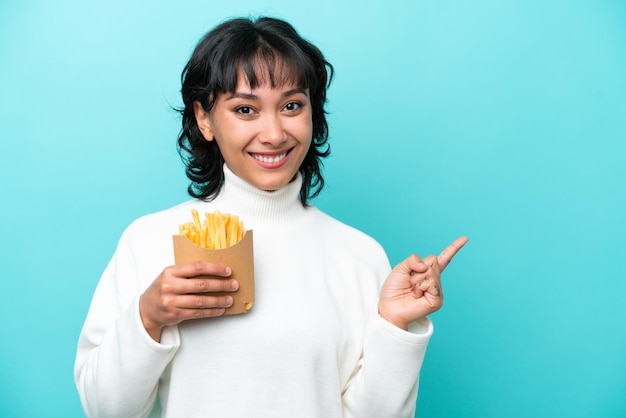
(174, 297)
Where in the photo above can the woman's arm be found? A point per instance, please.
(118, 365)
(386, 379)
(385, 382)
(129, 339)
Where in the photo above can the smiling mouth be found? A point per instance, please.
(270, 159)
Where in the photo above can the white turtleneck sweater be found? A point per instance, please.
(311, 346)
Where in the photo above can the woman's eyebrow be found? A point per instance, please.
(295, 91)
(250, 96)
(246, 96)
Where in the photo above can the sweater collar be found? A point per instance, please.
(250, 202)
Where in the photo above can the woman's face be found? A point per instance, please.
(263, 133)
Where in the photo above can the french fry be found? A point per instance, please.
(216, 231)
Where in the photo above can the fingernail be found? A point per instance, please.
(234, 285)
(229, 301)
(228, 271)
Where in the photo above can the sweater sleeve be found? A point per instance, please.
(386, 380)
(118, 365)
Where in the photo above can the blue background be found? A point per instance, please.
(501, 119)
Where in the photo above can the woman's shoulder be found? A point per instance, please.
(344, 245)
(347, 236)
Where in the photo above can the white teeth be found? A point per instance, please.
(269, 159)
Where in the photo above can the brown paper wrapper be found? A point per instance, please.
(239, 257)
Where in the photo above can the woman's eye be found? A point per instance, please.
(291, 106)
(244, 110)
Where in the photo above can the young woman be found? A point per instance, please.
(334, 332)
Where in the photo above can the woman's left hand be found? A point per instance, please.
(413, 289)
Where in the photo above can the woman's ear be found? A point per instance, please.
(202, 118)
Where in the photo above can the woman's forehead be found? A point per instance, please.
(275, 73)
(244, 84)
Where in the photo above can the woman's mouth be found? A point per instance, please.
(270, 159)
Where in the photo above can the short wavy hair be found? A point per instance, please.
(259, 48)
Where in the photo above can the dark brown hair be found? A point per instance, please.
(259, 48)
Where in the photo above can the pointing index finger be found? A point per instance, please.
(446, 255)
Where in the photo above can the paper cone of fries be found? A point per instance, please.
(237, 253)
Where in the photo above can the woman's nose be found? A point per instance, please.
(272, 130)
